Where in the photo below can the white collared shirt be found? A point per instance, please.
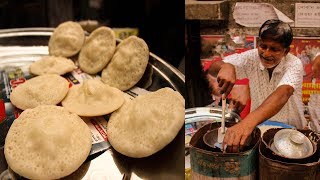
(288, 72)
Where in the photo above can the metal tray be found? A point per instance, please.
(25, 45)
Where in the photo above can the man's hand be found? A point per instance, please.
(316, 67)
(237, 136)
(226, 78)
(240, 95)
(215, 89)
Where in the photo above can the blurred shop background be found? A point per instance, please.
(159, 22)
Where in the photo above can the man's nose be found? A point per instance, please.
(267, 53)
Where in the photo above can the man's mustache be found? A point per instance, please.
(267, 59)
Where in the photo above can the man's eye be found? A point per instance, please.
(263, 46)
(275, 49)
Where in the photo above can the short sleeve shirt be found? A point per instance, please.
(288, 72)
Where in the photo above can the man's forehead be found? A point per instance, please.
(270, 42)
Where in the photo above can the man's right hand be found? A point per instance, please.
(226, 78)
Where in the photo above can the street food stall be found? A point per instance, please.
(217, 29)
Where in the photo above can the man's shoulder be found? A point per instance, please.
(249, 54)
(292, 59)
(251, 51)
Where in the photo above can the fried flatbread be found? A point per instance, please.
(93, 98)
(67, 39)
(48, 89)
(52, 65)
(47, 142)
(97, 50)
(128, 64)
(146, 124)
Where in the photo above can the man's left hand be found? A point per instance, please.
(236, 136)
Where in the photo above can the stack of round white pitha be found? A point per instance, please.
(140, 128)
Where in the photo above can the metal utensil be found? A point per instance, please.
(214, 138)
(222, 129)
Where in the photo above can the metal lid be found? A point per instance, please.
(292, 144)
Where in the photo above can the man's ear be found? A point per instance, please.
(287, 51)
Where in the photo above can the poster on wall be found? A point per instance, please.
(305, 48)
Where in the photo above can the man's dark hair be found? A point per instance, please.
(277, 31)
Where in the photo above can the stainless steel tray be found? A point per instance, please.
(24, 45)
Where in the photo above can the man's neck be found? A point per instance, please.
(270, 70)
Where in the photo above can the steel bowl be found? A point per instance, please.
(211, 139)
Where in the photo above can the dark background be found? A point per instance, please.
(160, 22)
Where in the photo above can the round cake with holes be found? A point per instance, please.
(93, 98)
(97, 50)
(52, 65)
(47, 142)
(67, 39)
(48, 89)
(146, 124)
(128, 64)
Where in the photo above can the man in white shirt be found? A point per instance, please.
(275, 81)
